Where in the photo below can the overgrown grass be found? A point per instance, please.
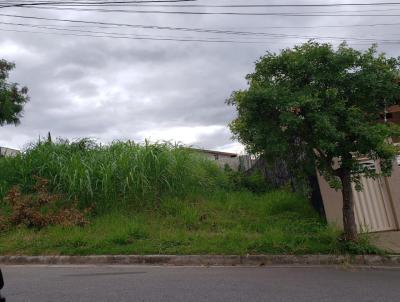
(112, 176)
(220, 223)
(159, 199)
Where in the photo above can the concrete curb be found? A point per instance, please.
(206, 260)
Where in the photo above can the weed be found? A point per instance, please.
(39, 210)
(220, 223)
(150, 198)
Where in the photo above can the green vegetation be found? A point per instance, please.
(151, 199)
(123, 174)
(12, 97)
(312, 104)
(220, 223)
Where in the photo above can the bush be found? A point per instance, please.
(362, 246)
(40, 209)
(254, 182)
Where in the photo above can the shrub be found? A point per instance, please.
(362, 246)
(40, 209)
(254, 182)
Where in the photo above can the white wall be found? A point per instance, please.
(8, 152)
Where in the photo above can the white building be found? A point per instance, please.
(8, 152)
(233, 160)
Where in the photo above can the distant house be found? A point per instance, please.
(8, 152)
(221, 158)
(234, 161)
(393, 114)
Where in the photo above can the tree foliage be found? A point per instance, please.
(324, 103)
(12, 97)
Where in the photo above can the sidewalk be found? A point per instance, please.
(206, 260)
(388, 241)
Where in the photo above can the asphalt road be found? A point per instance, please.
(186, 284)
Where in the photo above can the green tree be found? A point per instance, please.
(12, 97)
(323, 104)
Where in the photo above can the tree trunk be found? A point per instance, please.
(349, 220)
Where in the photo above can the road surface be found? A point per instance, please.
(187, 284)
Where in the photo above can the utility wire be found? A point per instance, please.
(13, 4)
(141, 26)
(201, 30)
(183, 12)
(265, 35)
(232, 29)
(273, 5)
(325, 26)
(61, 28)
(220, 6)
(212, 30)
(186, 29)
(281, 14)
(137, 38)
(164, 39)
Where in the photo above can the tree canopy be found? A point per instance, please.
(12, 97)
(323, 105)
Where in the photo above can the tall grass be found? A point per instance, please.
(112, 176)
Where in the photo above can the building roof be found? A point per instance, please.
(4, 151)
(394, 108)
(214, 152)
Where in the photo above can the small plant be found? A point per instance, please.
(254, 182)
(362, 246)
(40, 209)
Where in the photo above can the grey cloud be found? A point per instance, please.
(116, 88)
(69, 73)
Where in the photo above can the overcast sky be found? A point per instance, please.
(114, 88)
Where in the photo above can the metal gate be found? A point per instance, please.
(373, 206)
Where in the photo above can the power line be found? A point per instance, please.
(185, 29)
(13, 4)
(327, 26)
(94, 2)
(166, 39)
(277, 5)
(138, 37)
(71, 3)
(216, 6)
(265, 35)
(281, 14)
(318, 13)
(60, 28)
(231, 29)
(141, 26)
(246, 34)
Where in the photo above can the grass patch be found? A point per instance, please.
(218, 223)
(150, 199)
